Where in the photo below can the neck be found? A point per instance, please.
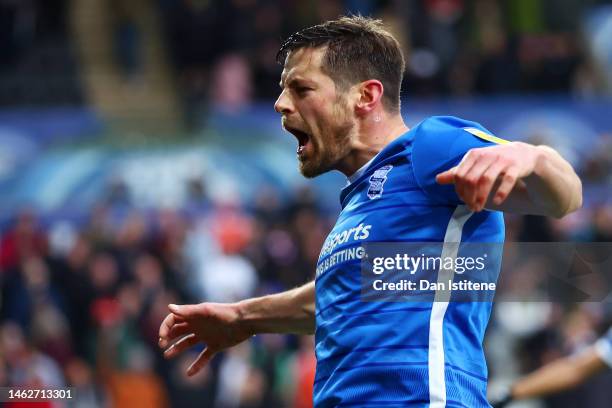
(370, 138)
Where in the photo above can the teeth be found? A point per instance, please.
(300, 149)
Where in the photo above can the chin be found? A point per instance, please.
(309, 172)
(312, 170)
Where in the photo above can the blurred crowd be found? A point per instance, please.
(224, 52)
(38, 65)
(81, 304)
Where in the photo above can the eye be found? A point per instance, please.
(302, 90)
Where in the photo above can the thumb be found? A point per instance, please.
(446, 177)
(180, 310)
(187, 311)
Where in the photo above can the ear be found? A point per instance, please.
(370, 95)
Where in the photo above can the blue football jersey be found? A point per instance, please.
(398, 354)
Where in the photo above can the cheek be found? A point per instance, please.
(315, 119)
(341, 111)
(323, 119)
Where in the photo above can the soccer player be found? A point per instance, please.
(445, 180)
(562, 374)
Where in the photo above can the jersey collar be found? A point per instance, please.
(397, 146)
(350, 179)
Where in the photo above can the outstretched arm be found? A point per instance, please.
(292, 311)
(223, 325)
(516, 177)
(559, 375)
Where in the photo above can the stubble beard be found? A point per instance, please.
(324, 159)
(332, 145)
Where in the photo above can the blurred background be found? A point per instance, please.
(141, 163)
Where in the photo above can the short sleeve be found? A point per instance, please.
(603, 347)
(439, 144)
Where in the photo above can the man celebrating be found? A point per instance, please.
(443, 181)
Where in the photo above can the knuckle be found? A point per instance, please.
(459, 176)
(504, 163)
(471, 180)
(476, 152)
(509, 160)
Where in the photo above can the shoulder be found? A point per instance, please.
(440, 143)
(445, 123)
(449, 135)
(441, 126)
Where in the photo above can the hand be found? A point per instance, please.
(217, 325)
(484, 168)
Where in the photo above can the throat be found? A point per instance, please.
(351, 179)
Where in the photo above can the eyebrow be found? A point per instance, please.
(291, 82)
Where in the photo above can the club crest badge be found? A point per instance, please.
(377, 181)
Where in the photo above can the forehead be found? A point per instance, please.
(304, 62)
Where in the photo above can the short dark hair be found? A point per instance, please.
(358, 48)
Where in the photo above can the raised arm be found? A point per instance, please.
(516, 177)
(223, 325)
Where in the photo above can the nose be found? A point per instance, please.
(283, 104)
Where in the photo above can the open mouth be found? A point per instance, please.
(302, 137)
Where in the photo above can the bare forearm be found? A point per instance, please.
(553, 186)
(559, 375)
(292, 311)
